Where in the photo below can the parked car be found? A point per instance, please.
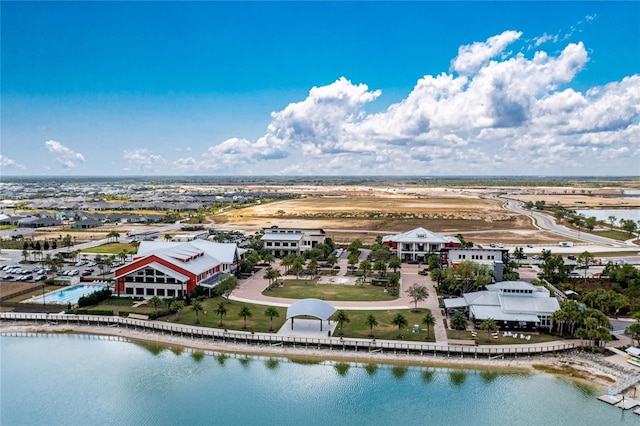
(571, 257)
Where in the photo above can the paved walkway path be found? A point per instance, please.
(250, 290)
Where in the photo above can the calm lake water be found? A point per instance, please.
(82, 380)
(603, 214)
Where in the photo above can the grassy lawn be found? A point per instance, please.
(258, 322)
(501, 340)
(296, 289)
(112, 248)
(357, 325)
(612, 233)
(231, 320)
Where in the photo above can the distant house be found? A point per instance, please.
(144, 235)
(38, 222)
(190, 237)
(417, 244)
(283, 241)
(87, 224)
(170, 269)
(511, 304)
(494, 258)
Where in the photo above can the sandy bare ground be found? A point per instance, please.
(366, 211)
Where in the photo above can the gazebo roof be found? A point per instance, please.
(313, 307)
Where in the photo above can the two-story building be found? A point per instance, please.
(417, 244)
(283, 241)
(494, 258)
(173, 269)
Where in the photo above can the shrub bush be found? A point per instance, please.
(94, 298)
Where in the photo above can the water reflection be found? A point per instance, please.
(488, 376)
(222, 358)
(197, 356)
(342, 368)
(399, 371)
(371, 369)
(427, 375)
(272, 363)
(457, 377)
(244, 361)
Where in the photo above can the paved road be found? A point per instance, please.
(548, 223)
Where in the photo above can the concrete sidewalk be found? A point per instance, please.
(250, 291)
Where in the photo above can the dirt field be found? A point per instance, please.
(361, 211)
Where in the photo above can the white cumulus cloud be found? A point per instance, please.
(495, 113)
(10, 163)
(144, 160)
(67, 157)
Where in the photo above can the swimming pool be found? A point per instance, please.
(68, 295)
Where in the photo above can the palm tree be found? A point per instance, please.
(341, 318)
(268, 258)
(332, 260)
(490, 325)
(113, 234)
(313, 266)
(176, 306)
(297, 266)
(429, 320)
(371, 322)
(395, 263)
(221, 310)
(287, 261)
(401, 321)
(271, 312)
(365, 266)
(168, 237)
(459, 322)
(196, 305)
(352, 260)
(244, 313)
(380, 266)
(612, 220)
(272, 275)
(155, 302)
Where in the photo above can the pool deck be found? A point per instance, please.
(37, 298)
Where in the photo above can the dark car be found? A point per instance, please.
(571, 257)
(9, 277)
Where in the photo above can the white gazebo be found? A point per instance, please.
(311, 307)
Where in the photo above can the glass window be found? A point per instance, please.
(160, 292)
(151, 292)
(140, 291)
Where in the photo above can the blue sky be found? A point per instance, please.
(315, 88)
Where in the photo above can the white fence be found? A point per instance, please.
(250, 338)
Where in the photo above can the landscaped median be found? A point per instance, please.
(309, 288)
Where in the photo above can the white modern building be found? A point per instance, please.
(511, 304)
(283, 241)
(415, 245)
